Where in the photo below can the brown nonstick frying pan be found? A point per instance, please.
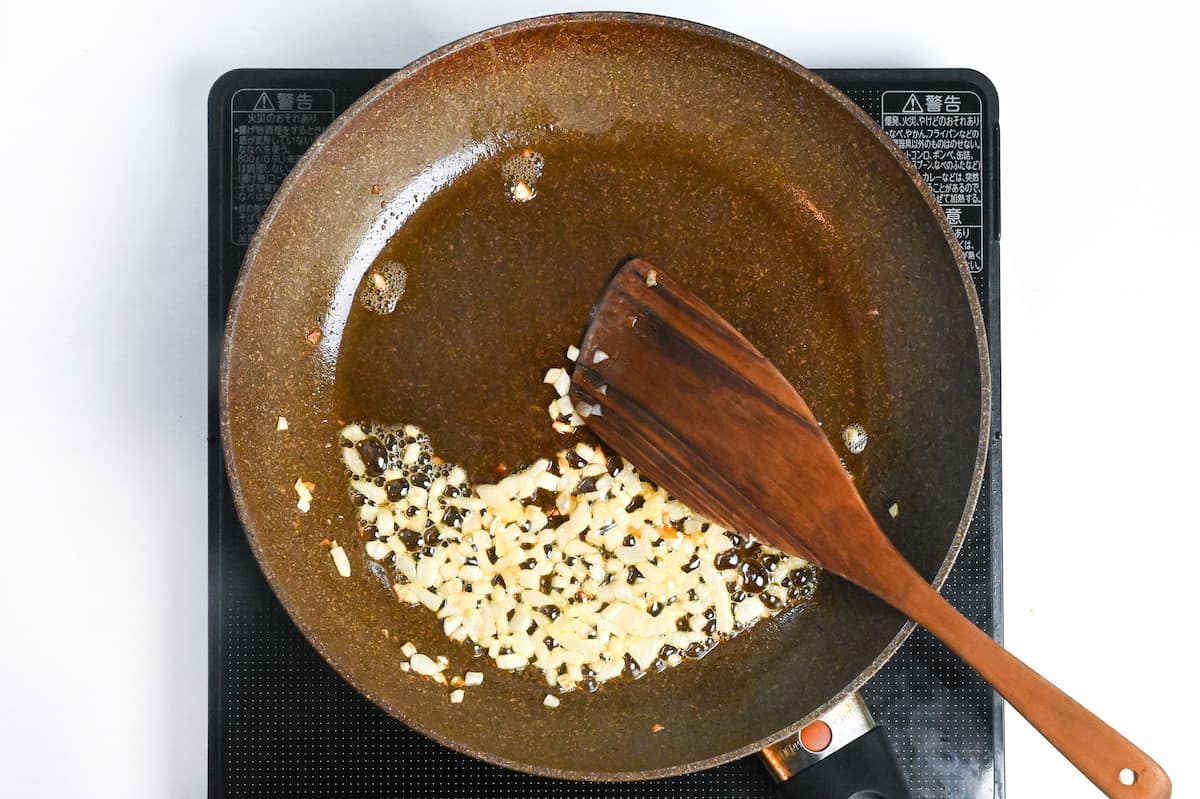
(749, 178)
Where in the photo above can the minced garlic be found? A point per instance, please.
(340, 561)
(575, 563)
(304, 494)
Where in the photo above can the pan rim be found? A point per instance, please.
(661, 21)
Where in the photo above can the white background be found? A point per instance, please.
(102, 238)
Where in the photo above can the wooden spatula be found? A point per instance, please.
(688, 400)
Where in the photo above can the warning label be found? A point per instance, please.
(942, 134)
(271, 129)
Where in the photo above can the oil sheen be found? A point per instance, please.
(496, 289)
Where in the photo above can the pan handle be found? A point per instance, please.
(842, 755)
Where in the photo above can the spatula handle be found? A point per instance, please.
(1107, 758)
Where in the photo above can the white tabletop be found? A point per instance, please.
(103, 594)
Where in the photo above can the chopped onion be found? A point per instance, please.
(340, 560)
(511, 661)
(574, 566)
(425, 665)
(522, 192)
(304, 493)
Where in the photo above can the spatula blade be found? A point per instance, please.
(695, 406)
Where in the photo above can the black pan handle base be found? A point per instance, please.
(843, 754)
(865, 768)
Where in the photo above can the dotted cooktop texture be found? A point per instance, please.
(284, 724)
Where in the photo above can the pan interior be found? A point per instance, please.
(495, 290)
(747, 180)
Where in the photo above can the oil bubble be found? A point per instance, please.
(383, 287)
(521, 173)
(855, 438)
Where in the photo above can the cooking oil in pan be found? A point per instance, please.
(492, 290)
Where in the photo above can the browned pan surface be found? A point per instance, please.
(747, 177)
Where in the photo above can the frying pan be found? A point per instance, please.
(748, 177)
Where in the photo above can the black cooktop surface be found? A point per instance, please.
(283, 723)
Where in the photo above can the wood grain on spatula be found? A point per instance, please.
(690, 402)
